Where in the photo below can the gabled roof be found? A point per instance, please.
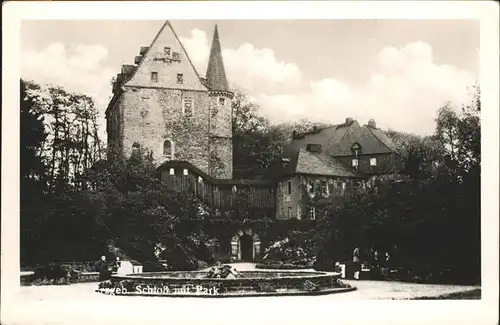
(316, 163)
(216, 75)
(371, 140)
(165, 64)
(328, 137)
(210, 179)
(321, 164)
(383, 137)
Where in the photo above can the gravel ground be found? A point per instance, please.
(79, 304)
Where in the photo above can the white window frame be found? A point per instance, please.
(355, 162)
(324, 187)
(290, 213)
(312, 213)
(299, 212)
(185, 172)
(184, 100)
(373, 161)
(200, 179)
(311, 187)
(171, 171)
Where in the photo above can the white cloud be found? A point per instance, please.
(198, 49)
(77, 69)
(404, 93)
(405, 90)
(259, 69)
(248, 67)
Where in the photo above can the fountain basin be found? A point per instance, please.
(248, 283)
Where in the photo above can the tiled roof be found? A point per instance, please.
(210, 179)
(371, 140)
(327, 137)
(382, 137)
(321, 164)
(369, 143)
(315, 163)
(337, 140)
(216, 75)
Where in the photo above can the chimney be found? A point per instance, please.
(372, 124)
(143, 50)
(314, 147)
(349, 120)
(137, 59)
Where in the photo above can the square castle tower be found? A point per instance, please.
(163, 105)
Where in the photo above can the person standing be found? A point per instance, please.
(102, 268)
(356, 260)
(376, 259)
(117, 265)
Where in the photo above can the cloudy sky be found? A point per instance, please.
(398, 72)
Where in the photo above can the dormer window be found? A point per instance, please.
(180, 78)
(356, 149)
(222, 101)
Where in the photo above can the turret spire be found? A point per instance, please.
(216, 75)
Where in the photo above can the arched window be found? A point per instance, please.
(168, 149)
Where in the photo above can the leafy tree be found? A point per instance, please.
(59, 143)
(431, 221)
(256, 145)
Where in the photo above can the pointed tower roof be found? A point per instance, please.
(216, 75)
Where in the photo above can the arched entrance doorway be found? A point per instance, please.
(245, 245)
(246, 242)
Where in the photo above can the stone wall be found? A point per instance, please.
(221, 144)
(336, 188)
(285, 200)
(221, 158)
(153, 115)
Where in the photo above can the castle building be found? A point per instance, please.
(161, 103)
